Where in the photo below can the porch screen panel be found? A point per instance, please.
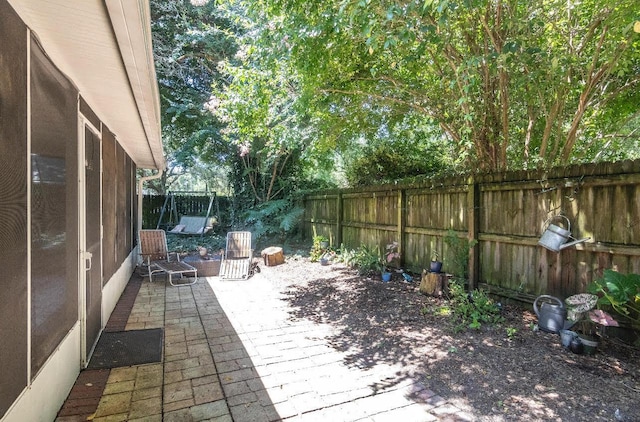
(54, 217)
(129, 199)
(122, 204)
(134, 206)
(13, 206)
(109, 188)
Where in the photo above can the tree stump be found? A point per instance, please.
(433, 284)
(272, 256)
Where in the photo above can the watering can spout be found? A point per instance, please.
(575, 242)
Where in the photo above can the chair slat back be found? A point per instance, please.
(238, 245)
(153, 244)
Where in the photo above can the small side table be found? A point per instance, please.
(208, 266)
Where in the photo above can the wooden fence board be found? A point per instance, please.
(601, 201)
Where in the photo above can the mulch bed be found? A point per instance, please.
(496, 377)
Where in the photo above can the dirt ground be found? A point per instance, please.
(526, 376)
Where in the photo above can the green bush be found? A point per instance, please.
(619, 291)
(473, 309)
(458, 263)
(366, 260)
(317, 251)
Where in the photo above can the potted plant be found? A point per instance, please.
(436, 264)
(589, 322)
(323, 242)
(319, 247)
(619, 292)
(391, 258)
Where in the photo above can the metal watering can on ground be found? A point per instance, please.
(550, 316)
(555, 237)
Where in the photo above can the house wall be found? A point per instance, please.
(41, 302)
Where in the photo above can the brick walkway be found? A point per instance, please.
(236, 355)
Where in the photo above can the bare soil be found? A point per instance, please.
(497, 377)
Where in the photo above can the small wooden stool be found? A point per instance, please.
(272, 256)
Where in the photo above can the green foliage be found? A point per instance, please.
(277, 217)
(473, 309)
(317, 251)
(189, 244)
(458, 250)
(507, 84)
(365, 259)
(619, 291)
(189, 42)
(393, 161)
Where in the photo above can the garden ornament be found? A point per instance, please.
(551, 316)
(555, 237)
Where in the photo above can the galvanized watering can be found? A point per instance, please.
(555, 237)
(550, 316)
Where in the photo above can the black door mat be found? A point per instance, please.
(127, 348)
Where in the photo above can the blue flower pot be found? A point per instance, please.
(435, 267)
(386, 277)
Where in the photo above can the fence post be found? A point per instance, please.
(473, 219)
(339, 220)
(402, 222)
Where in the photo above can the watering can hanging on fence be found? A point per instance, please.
(555, 237)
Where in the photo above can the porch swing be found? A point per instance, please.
(188, 224)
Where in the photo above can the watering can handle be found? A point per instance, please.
(546, 223)
(535, 303)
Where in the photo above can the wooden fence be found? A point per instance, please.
(506, 214)
(185, 204)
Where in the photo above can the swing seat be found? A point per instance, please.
(193, 225)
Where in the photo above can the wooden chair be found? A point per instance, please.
(157, 258)
(237, 262)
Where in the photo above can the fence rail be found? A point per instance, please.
(506, 214)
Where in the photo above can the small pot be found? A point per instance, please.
(324, 261)
(386, 277)
(589, 344)
(576, 346)
(435, 267)
(566, 337)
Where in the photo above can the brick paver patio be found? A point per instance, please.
(233, 353)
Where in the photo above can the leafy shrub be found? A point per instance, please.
(277, 217)
(473, 309)
(317, 251)
(366, 260)
(391, 161)
(459, 248)
(619, 291)
(185, 244)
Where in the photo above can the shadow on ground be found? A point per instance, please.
(487, 373)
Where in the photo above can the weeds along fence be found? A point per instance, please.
(506, 214)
